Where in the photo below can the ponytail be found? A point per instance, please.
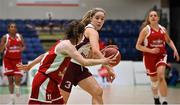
(74, 29)
(89, 14)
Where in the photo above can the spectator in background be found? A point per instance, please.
(12, 44)
(50, 23)
(103, 73)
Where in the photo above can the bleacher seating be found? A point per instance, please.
(32, 41)
(124, 32)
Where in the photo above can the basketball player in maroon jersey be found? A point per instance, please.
(151, 42)
(45, 86)
(89, 48)
(12, 45)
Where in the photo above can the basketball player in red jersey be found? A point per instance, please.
(151, 42)
(89, 48)
(45, 86)
(12, 45)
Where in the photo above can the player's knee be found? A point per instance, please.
(98, 91)
(161, 76)
(154, 84)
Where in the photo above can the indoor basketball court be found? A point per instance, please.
(42, 22)
(118, 95)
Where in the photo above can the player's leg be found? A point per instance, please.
(154, 87)
(65, 95)
(150, 64)
(11, 88)
(17, 84)
(162, 83)
(11, 84)
(92, 87)
(69, 80)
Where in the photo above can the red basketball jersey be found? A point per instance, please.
(53, 64)
(13, 47)
(155, 39)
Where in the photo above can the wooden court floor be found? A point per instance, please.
(112, 95)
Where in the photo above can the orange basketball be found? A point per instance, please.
(112, 51)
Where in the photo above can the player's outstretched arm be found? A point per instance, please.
(67, 48)
(27, 67)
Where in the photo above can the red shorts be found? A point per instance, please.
(153, 61)
(9, 66)
(45, 91)
(74, 74)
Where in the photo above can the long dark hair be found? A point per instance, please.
(74, 30)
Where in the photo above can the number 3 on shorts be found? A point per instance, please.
(68, 84)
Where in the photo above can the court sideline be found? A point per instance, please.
(113, 94)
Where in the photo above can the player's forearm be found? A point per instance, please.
(97, 54)
(92, 62)
(142, 48)
(36, 61)
(171, 44)
(2, 48)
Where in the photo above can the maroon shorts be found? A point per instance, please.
(74, 74)
(153, 61)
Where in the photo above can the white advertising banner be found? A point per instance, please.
(47, 2)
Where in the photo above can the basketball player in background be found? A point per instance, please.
(89, 48)
(151, 42)
(45, 85)
(12, 45)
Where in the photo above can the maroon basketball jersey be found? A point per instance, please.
(84, 47)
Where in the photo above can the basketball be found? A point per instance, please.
(112, 51)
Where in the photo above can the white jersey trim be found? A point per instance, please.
(7, 37)
(34, 99)
(164, 60)
(42, 90)
(89, 26)
(149, 32)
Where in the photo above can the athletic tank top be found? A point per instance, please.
(84, 47)
(13, 47)
(155, 39)
(53, 64)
